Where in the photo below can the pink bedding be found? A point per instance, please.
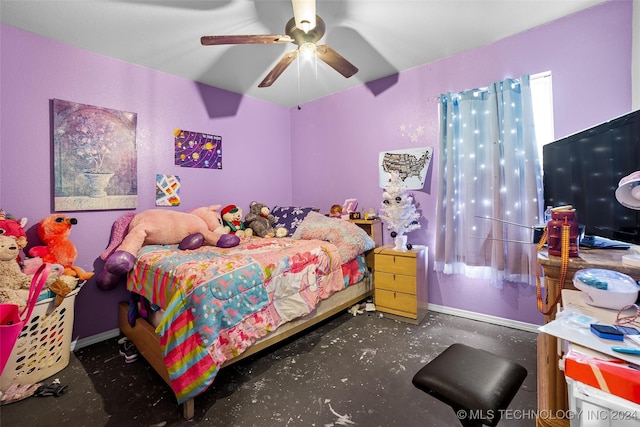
(217, 302)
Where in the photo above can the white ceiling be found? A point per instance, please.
(380, 37)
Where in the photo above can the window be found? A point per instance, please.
(542, 100)
(490, 178)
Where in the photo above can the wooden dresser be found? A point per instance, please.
(397, 278)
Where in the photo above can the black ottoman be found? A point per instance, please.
(478, 385)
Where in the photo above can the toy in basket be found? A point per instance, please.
(43, 346)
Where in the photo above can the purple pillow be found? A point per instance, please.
(289, 217)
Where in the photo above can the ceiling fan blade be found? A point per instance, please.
(279, 68)
(245, 39)
(336, 61)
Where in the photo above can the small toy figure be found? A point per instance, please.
(335, 211)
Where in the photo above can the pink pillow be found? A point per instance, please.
(350, 239)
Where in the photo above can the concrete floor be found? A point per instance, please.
(349, 371)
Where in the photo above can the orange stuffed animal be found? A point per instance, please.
(54, 231)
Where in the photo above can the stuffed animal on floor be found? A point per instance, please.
(233, 223)
(54, 232)
(131, 231)
(260, 220)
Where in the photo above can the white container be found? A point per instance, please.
(591, 407)
(44, 345)
(620, 289)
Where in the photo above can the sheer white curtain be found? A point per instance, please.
(490, 183)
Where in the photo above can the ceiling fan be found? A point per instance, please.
(303, 30)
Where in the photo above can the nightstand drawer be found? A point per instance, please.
(396, 302)
(395, 282)
(396, 264)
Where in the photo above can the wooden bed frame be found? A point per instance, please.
(143, 335)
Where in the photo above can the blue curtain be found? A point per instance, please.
(490, 183)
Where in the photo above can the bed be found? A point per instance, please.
(194, 312)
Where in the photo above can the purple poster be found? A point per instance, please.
(198, 150)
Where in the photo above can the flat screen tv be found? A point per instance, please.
(584, 169)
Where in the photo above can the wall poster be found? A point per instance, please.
(167, 190)
(198, 150)
(412, 164)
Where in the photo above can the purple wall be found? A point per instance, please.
(255, 140)
(336, 139)
(589, 55)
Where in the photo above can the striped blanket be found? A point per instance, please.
(217, 302)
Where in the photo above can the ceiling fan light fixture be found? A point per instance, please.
(308, 50)
(304, 12)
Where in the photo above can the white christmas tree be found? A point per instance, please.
(398, 208)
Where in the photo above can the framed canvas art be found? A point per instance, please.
(94, 157)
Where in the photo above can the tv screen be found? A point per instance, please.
(584, 170)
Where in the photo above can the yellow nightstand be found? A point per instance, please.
(397, 278)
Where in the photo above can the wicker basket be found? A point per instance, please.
(44, 345)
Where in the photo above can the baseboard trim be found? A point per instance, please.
(501, 321)
(93, 339)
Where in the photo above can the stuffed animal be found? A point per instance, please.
(15, 284)
(233, 223)
(63, 283)
(260, 220)
(12, 227)
(160, 227)
(54, 232)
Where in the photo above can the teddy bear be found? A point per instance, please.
(261, 221)
(54, 231)
(15, 284)
(233, 223)
(160, 227)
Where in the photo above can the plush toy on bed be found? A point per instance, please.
(131, 231)
(260, 220)
(233, 223)
(54, 232)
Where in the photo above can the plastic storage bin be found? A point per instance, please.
(44, 345)
(591, 407)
